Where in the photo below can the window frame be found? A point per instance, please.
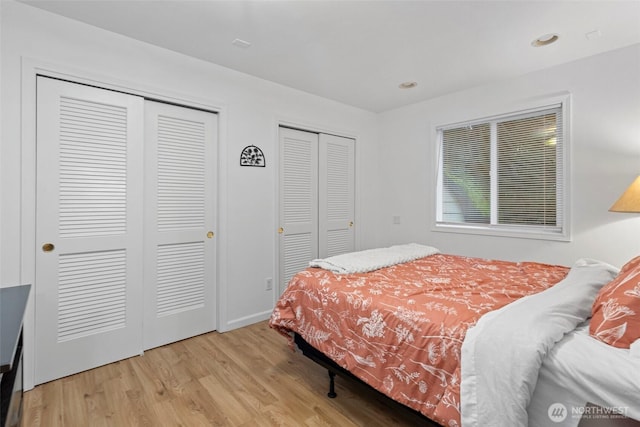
(562, 231)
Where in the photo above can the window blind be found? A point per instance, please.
(466, 174)
(528, 169)
(504, 172)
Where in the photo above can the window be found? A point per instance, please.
(504, 175)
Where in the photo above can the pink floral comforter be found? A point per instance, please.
(400, 329)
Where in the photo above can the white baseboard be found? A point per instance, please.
(244, 321)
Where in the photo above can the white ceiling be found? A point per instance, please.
(358, 52)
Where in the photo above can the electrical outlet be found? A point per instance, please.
(268, 284)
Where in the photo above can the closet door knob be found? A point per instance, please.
(210, 235)
(280, 230)
(48, 247)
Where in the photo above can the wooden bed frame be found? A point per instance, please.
(334, 369)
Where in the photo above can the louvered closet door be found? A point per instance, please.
(336, 195)
(180, 146)
(89, 228)
(298, 181)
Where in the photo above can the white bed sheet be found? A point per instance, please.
(503, 353)
(581, 369)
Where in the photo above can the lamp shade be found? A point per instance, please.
(630, 199)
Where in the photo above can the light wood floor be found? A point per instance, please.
(247, 377)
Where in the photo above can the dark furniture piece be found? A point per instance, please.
(13, 301)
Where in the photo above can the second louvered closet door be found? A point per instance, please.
(336, 195)
(179, 223)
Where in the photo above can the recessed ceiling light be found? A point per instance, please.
(545, 40)
(592, 35)
(241, 43)
(407, 85)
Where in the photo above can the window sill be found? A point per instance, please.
(504, 231)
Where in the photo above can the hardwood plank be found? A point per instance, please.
(53, 405)
(244, 378)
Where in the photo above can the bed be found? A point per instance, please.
(567, 378)
(397, 318)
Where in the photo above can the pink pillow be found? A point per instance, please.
(616, 310)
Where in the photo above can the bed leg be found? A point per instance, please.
(332, 385)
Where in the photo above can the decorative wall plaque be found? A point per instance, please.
(252, 156)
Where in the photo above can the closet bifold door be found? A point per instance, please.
(179, 220)
(298, 204)
(317, 199)
(336, 195)
(88, 293)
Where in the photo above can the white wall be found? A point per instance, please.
(394, 152)
(250, 111)
(605, 154)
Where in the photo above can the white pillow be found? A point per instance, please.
(634, 350)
